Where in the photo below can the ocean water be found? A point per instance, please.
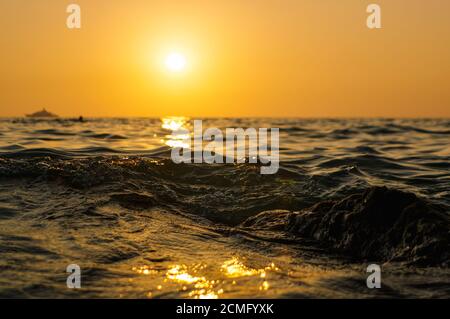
(104, 194)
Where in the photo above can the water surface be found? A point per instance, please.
(104, 194)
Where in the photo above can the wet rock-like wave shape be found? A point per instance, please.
(380, 224)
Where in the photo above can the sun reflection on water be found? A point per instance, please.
(173, 123)
(180, 136)
(145, 270)
(196, 280)
(203, 288)
(235, 268)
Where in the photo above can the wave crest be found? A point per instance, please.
(380, 224)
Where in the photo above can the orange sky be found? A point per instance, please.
(303, 58)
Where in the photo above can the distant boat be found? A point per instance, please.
(42, 114)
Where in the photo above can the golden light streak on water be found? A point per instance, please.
(144, 270)
(178, 127)
(235, 268)
(200, 286)
(204, 288)
(173, 123)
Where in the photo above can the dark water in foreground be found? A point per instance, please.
(105, 195)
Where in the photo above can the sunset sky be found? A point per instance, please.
(299, 58)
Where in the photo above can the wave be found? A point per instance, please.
(54, 132)
(347, 193)
(329, 187)
(409, 128)
(106, 136)
(380, 224)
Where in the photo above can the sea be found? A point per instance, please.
(104, 194)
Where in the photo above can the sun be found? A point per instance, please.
(175, 62)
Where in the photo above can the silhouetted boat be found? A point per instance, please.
(42, 114)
